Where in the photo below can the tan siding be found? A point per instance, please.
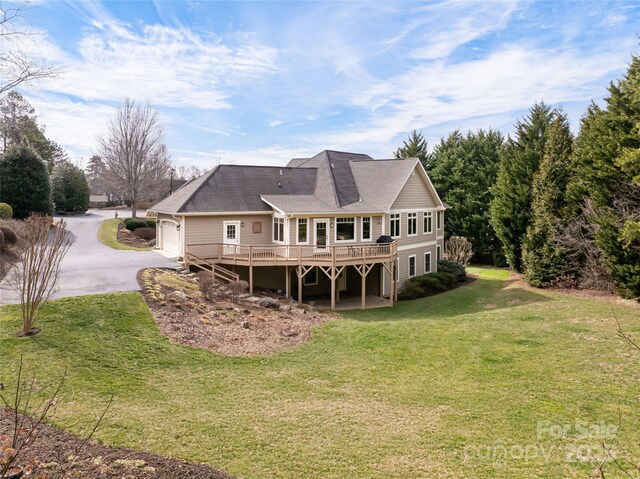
(415, 194)
(208, 229)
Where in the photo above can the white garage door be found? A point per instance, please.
(170, 237)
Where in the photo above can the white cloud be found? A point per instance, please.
(275, 123)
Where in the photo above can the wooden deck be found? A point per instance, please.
(331, 260)
(293, 255)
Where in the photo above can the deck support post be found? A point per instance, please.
(251, 280)
(299, 273)
(287, 278)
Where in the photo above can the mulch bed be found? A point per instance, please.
(129, 238)
(55, 451)
(236, 329)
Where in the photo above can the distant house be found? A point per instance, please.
(98, 201)
(337, 223)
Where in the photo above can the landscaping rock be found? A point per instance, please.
(246, 324)
(287, 333)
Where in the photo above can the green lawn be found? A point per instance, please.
(108, 234)
(383, 393)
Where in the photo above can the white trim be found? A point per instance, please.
(399, 224)
(216, 213)
(273, 206)
(315, 230)
(405, 247)
(335, 230)
(415, 266)
(424, 263)
(298, 231)
(416, 218)
(362, 238)
(224, 231)
(424, 221)
(284, 229)
(384, 224)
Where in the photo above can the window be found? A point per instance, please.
(427, 226)
(412, 224)
(439, 220)
(394, 229)
(278, 230)
(311, 278)
(366, 228)
(231, 232)
(412, 266)
(345, 229)
(302, 230)
(427, 263)
(438, 254)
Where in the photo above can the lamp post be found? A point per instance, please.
(171, 181)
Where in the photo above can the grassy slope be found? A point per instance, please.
(382, 393)
(108, 234)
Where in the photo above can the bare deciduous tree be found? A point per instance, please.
(134, 153)
(36, 278)
(15, 65)
(458, 249)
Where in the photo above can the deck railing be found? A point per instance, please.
(293, 254)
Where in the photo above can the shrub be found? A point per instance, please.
(10, 236)
(236, 288)
(269, 302)
(448, 266)
(134, 223)
(458, 249)
(206, 283)
(6, 212)
(426, 285)
(150, 223)
(146, 233)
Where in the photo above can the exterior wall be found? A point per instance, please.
(209, 229)
(416, 192)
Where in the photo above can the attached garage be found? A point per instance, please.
(170, 237)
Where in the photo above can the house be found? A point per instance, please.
(335, 224)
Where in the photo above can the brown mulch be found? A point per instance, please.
(236, 329)
(54, 452)
(129, 238)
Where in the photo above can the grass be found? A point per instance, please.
(108, 235)
(381, 393)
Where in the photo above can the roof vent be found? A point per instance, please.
(332, 165)
(280, 172)
(279, 185)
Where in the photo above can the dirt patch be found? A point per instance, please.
(129, 238)
(236, 329)
(55, 450)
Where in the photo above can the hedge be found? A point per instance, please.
(447, 266)
(427, 285)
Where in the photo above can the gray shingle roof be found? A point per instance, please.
(329, 182)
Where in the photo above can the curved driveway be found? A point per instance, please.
(91, 267)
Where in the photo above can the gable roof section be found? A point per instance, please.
(237, 188)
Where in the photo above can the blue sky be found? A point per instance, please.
(261, 82)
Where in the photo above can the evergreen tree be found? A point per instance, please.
(606, 167)
(70, 189)
(512, 193)
(543, 258)
(25, 182)
(463, 168)
(414, 147)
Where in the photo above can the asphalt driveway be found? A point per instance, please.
(91, 267)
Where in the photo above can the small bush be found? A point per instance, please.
(10, 236)
(236, 288)
(150, 223)
(6, 211)
(134, 223)
(206, 283)
(448, 266)
(426, 285)
(269, 302)
(146, 233)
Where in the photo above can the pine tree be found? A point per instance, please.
(463, 168)
(414, 147)
(512, 193)
(70, 189)
(543, 258)
(25, 182)
(606, 167)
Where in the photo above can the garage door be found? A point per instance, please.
(170, 237)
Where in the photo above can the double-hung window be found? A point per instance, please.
(438, 253)
(366, 228)
(394, 227)
(412, 266)
(439, 219)
(412, 224)
(345, 229)
(427, 226)
(303, 231)
(427, 263)
(278, 230)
